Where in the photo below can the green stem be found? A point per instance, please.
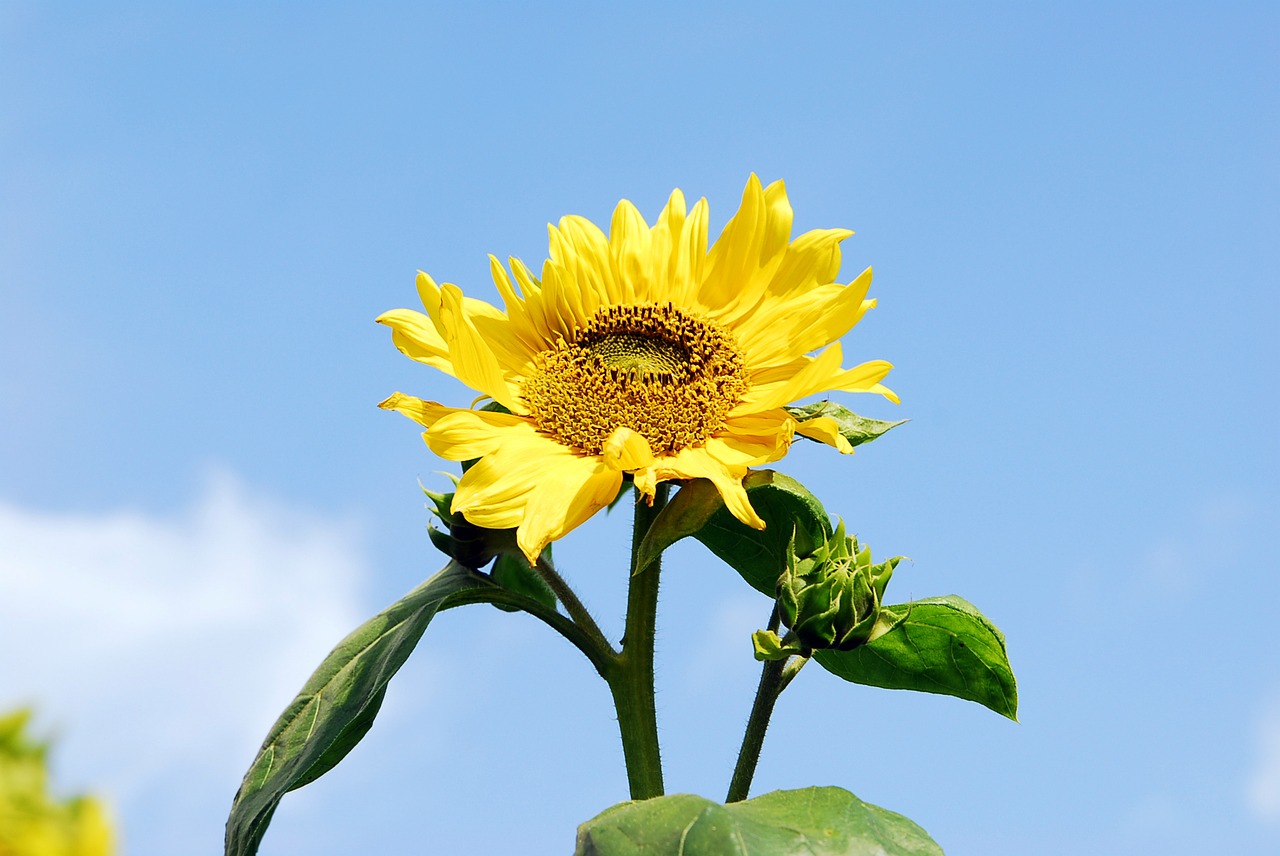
(572, 605)
(631, 678)
(771, 684)
(599, 652)
(793, 668)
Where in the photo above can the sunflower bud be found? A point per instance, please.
(466, 543)
(831, 598)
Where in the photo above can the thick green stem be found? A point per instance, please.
(631, 678)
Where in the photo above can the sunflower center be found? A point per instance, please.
(668, 376)
(637, 351)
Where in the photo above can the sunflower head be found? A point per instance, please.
(641, 352)
(654, 369)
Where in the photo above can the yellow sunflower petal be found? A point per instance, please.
(429, 294)
(561, 299)
(473, 360)
(462, 435)
(689, 261)
(521, 325)
(415, 336)
(750, 249)
(625, 450)
(813, 259)
(809, 320)
(809, 379)
(755, 439)
(864, 378)
(825, 430)
(580, 247)
(532, 290)
(700, 464)
(425, 413)
(568, 493)
(493, 492)
(536, 486)
(630, 246)
(664, 240)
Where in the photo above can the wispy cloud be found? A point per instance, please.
(160, 648)
(1263, 791)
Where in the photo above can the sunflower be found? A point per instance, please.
(639, 353)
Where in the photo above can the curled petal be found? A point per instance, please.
(425, 413)
(825, 430)
(625, 450)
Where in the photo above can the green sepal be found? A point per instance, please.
(464, 542)
(810, 821)
(940, 645)
(442, 541)
(512, 572)
(769, 646)
(759, 555)
(339, 701)
(854, 428)
(441, 503)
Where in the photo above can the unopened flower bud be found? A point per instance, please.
(466, 543)
(831, 598)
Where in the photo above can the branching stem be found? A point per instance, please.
(572, 605)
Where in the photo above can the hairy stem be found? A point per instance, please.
(771, 685)
(598, 651)
(572, 605)
(631, 678)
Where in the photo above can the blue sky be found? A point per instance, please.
(1072, 214)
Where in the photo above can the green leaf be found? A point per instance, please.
(683, 516)
(759, 555)
(940, 645)
(512, 572)
(337, 705)
(856, 429)
(806, 822)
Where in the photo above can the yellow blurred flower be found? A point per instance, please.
(32, 822)
(642, 353)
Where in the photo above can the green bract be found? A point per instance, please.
(831, 598)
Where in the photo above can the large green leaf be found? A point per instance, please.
(940, 645)
(806, 822)
(854, 428)
(337, 705)
(759, 555)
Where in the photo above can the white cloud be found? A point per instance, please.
(1263, 792)
(159, 649)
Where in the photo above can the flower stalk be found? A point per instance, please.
(774, 678)
(631, 678)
